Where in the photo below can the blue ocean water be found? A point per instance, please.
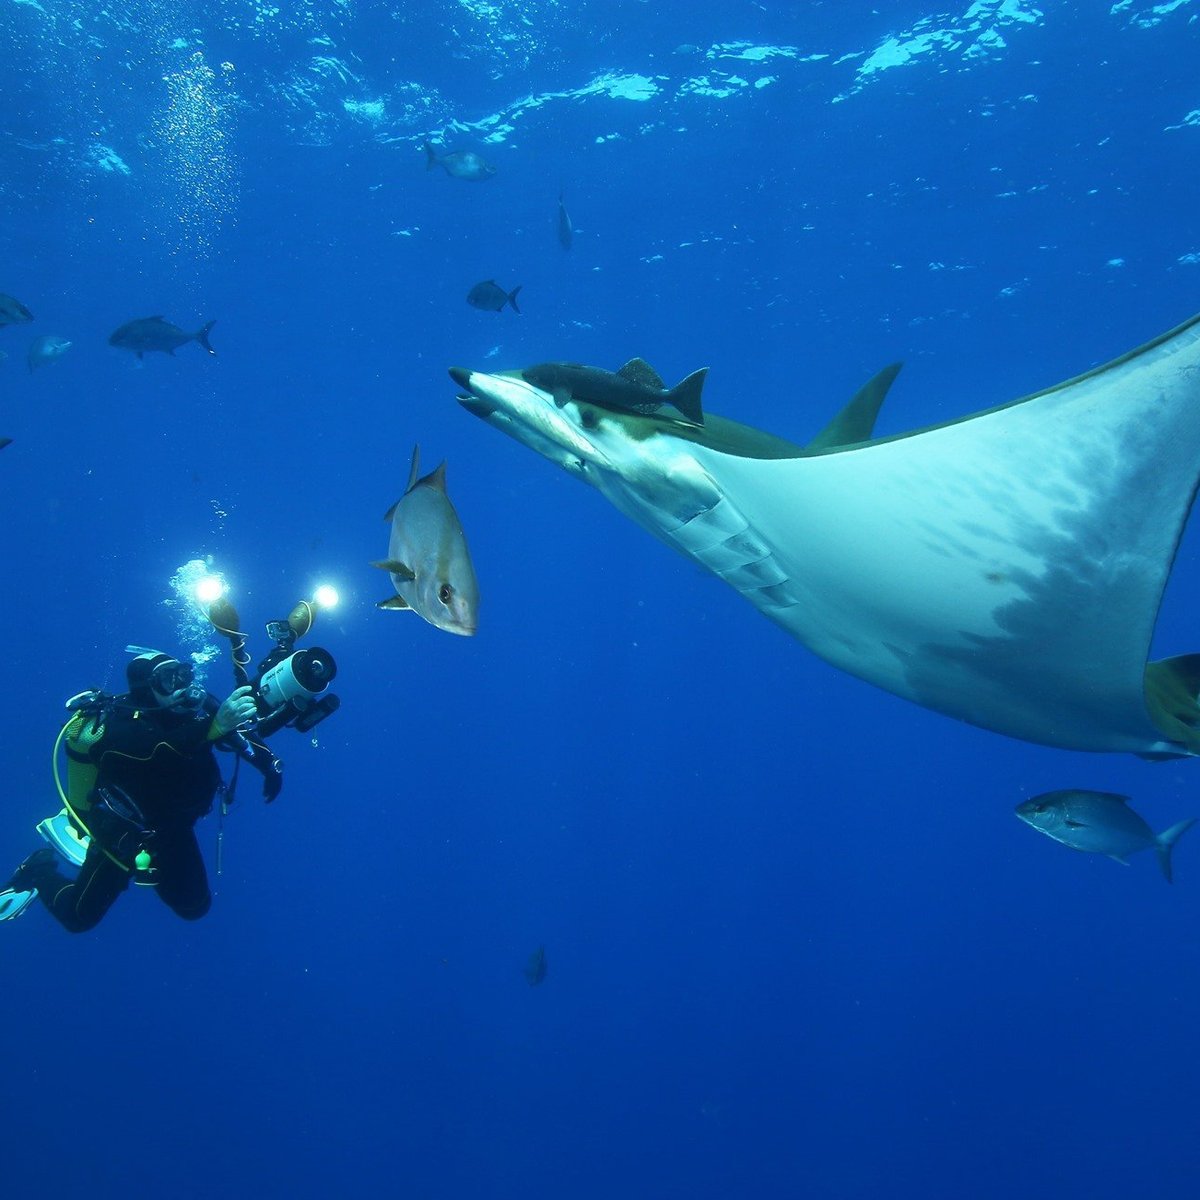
(797, 943)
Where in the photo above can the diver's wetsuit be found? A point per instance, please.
(163, 761)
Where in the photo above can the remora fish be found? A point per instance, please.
(635, 388)
(461, 164)
(566, 231)
(45, 350)
(13, 312)
(153, 333)
(491, 297)
(427, 555)
(1100, 823)
(535, 968)
(1004, 568)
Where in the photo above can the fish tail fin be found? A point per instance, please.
(202, 337)
(1165, 843)
(685, 396)
(430, 156)
(512, 297)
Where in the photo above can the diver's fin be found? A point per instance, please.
(393, 602)
(396, 567)
(65, 838)
(856, 422)
(13, 904)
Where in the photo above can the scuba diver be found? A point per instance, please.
(142, 770)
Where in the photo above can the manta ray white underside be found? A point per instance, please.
(1005, 568)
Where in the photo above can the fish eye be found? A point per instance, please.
(445, 593)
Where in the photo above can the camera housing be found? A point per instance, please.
(291, 686)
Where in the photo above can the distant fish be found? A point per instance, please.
(153, 333)
(46, 349)
(461, 164)
(1100, 823)
(428, 558)
(13, 312)
(535, 968)
(636, 387)
(5, 442)
(491, 297)
(566, 231)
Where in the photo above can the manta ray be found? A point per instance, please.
(1005, 568)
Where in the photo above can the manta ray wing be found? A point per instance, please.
(1005, 569)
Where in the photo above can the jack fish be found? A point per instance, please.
(46, 349)
(428, 558)
(13, 312)
(461, 164)
(1100, 823)
(153, 333)
(535, 968)
(566, 231)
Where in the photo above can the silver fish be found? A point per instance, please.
(461, 164)
(45, 350)
(428, 558)
(1100, 823)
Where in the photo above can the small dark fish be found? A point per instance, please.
(153, 333)
(46, 349)
(636, 387)
(491, 297)
(13, 312)
(535, 968)
(1100, 823)
(566, 231)
(461, 164)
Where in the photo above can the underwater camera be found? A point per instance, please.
(291, 686)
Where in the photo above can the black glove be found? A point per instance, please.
(272, 780)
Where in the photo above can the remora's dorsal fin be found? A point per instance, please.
(638, 370)
(856, 422)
